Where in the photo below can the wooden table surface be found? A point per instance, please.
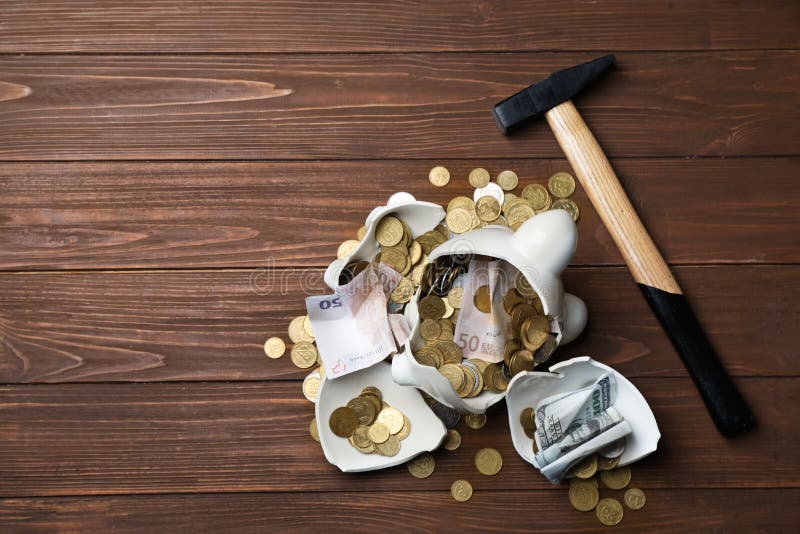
(157, 157)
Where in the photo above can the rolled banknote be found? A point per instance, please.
(588, 430)
(352, 326)
(560, 414)
(483, 335)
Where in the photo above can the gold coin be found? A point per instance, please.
(479, 177)
(422, 466)
(313, 430)
(586, 468)
(635, 499)
(455, 296)
(526, 419)
(360, 437)
(536, 195)
(403, 292)
(392, 418)
(460, 202)
(343, 422)
(304, 354)
(487, 208)
(583, 495)
(483, 299)
(378, 433)
(389, 231)
(365, 410)
(296, 331)
(431, 307)
(439, 176)
(459, 220)
(390, 447)
(430, 329)
(311, 387)
(307, 326)
(475, 421)
(450, 350)
(461, 490)
(406, 430)
(568, 206)
(606, 464)
(518, 214)
(507, 180)
(274, 347)
(362, 232)
(609, 511)
(561, 184)
(453, 374)
(616, 478)
(488, 461)
(346, 248)
(375, 392)
(453, 440)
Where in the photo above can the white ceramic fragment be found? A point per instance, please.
(427, 430)
(526, 390)
(418, 215)
(541, 248)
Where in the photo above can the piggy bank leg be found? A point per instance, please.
(575, 316)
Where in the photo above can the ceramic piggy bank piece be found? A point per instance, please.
(419, 216)
(541, 248)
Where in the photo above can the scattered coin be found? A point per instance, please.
(617, 478)
(508, 180)
(389, 231)
(304, 354)
(569, 206)
(439, 176)
(606, 464)
(313, 430)
(274, 347)
(453, 440)
(479, 177)
(609, 511)
(311, 386)
(475, 421)
(586, 468)
(422, 466)
(296, 331)
(635, 499)
(461, 490)
(347, 248)
(583, 495)
(561, 184)
(487, 208)
(488, 461)
(536, 195)
(343, 422)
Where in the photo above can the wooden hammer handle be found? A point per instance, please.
(609, 199)
(725, 404)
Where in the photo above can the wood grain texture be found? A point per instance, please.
(609, 199)
(386, 106)
(222, 437)
(156, 215)
(416, 25)
(431, 512)
(210, 325)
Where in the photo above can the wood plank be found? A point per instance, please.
(667, 510)
(385, 106)
(200, 214)
(179, 325)
(252, 26)
(221, 437)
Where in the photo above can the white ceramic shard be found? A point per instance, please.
(541, 248)
(427, 430)
(526, 390)
(419, 216)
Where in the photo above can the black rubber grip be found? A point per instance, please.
(727, 407)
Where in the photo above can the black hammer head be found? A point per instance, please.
(548, 93)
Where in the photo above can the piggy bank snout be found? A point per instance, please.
(547, 240)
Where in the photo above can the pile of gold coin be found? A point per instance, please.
(499, 206)
(370, 425)
(584, 489)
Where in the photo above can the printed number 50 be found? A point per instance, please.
(468, 341)
(332, 303)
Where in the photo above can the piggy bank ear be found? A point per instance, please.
(548, 240)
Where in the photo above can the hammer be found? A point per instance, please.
(551, 96)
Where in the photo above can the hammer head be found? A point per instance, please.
(548, 93)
